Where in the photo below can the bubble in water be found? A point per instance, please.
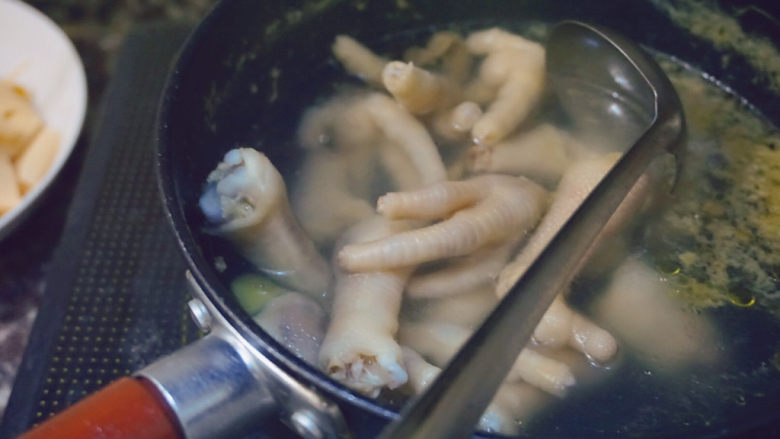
(669, 266)
(741, 298)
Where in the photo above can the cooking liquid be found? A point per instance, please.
(717, 244)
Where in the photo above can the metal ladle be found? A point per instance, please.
(606, 84)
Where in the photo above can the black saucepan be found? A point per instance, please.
(244, 78)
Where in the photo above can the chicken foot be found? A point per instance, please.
(575, 185)
(366, 123)
(561, 326)
(416, 89)
(246, 198)
(462, 275)
(447, 49)
(323, 199)
(486, 209)
(360, 349)
(513, 404)
(440, 341)
(467, 309)
(539, 153)
(359, 60)
(408, 134)
(518, 66)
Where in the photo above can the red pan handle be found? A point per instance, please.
(129, 408)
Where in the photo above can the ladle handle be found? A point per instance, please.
(129, 408)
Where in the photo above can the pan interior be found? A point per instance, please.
(253, 68)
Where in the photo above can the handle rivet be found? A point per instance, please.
(305, 424)
(200, 314)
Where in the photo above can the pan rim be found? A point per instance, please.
(202, 271)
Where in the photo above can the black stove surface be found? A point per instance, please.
(116, 294)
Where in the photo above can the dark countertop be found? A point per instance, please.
(97, 28)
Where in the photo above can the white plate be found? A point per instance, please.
(37, 54)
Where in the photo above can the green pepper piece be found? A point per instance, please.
(254, 291)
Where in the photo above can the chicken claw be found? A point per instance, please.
(417, 89)
(540, 153)
(575, 185)
(515, 68)
(408, 134)
(247, 199)
(479, 211)
(563, 326)
(440, 341)
(513, 404)
(447, 49)
(359, 60)
(360, 349)
(359, 125)
(323, 198)
(461, 275)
